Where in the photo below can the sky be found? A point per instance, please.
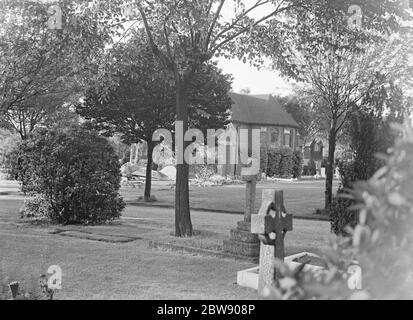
(258, 81)
(261, 81)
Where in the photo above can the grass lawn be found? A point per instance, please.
(101, 270)
(301, 198)
(128, 268)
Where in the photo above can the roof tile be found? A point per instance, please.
(253, 110)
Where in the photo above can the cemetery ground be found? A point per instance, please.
(302, 197)
(119, 261)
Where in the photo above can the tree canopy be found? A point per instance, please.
(44, 50)
(137, 96)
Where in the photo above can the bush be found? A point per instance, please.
(273, 165)
(297, 164)
(341, 215)
(263, 160)
(76, 171)
(381, 243)
(310, 169)
(36, 207)
(283, 163)
(286, 163)
(347, 173)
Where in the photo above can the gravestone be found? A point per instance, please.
(271, 225)
(318, 167)
(242, 242)
(170, 172)
(323, 172)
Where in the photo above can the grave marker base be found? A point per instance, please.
(249, 278)
(242, 242)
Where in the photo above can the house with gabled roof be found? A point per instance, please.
(277, 127)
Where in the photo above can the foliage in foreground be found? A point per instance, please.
(73, 176)
(381, 242)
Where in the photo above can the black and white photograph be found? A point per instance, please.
(239, 152)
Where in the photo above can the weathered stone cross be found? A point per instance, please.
(271, 224)
(242, 242)
(250, 190)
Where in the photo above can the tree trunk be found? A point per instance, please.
(330, 167)
(148, 180)
(183, 224)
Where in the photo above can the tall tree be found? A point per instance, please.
(186, 34)
(339, 55)
(44, 51)
(141, 98)
(342, 82)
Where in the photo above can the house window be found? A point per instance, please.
(287, 135)
(274, 137)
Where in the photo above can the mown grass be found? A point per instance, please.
(97, 269)
(301, 198)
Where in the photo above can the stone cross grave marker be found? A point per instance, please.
(271, 224)
(242, 242)
(250, 190)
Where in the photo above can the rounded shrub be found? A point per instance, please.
(310, 169)
(76, 172)
(36, 207)
(297, 168)
(284, 163)
(273, 163)
(263, 160)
